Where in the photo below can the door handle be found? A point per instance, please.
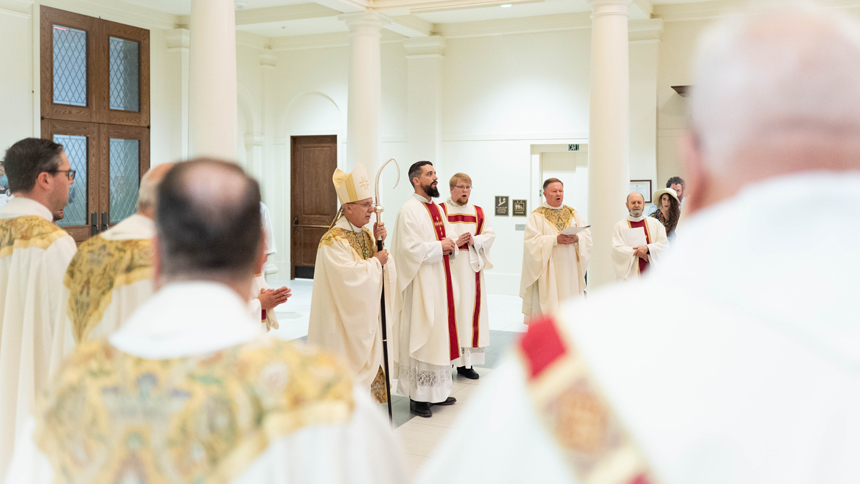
(104, 221)
(94, 223)
(296, 222)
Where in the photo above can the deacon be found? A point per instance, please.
(34, 254)
(345, 314)
(264, 299)
(554, 264)
(637, 240)
(109, 276)
(474, 238)
(188, 390)
(425, 328)
(750, 376)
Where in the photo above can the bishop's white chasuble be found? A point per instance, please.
(627, 265)
(552, 273)
(473, 322)
(425, 328)
(34, 254)
(345, 316)
(109, 277)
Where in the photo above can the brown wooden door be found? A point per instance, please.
(124, 158)
(314, 201)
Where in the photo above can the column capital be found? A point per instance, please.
(645, 31)
(178, 39)
(609, 7)
(364, 23)
(433, 45)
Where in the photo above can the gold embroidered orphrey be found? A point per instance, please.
(27, 231)
(100, 267)
(559, 218)
(362, 243)
(113, 417)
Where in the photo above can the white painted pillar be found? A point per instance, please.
(644, 61)
(178, 45)
(213, 102)
(364, 104)
(609, 132)
(425, 58)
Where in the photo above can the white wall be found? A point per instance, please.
(16, 77)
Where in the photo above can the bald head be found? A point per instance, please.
(635, 204)
(148, 193)
(777, 77)
(208, 221)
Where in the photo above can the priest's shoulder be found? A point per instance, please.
(27, 231)
(542, 211)
(333, 234)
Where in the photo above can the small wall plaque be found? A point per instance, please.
(520, 208)
(502, 206)
(643, 187)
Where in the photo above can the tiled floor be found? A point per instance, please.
(419, 436)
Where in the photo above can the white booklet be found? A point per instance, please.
(573, 230)
(634, 237)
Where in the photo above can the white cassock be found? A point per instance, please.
(34, 254)
(627, 265)
(345, 316)
(188, 391)
(109, 277)
(756, 381)
(425, 330)
(552, 272)
(473, 322)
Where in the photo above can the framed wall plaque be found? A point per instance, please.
(502, 206)
(520, 208)
(643, 187)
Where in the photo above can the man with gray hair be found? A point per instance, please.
(751, 376)
(109, 276)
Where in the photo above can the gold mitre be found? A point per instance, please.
(352, 187)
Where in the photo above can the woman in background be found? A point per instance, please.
(669, 212)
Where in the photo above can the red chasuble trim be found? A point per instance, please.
(478, 220)
(643, 264)
(542, 345)
(439, 229)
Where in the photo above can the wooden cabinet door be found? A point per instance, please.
(314, 201)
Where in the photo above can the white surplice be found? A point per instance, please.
(31, 281)
(197, 318)
(268, 229)
(552, 273)
(124, 299)
(754, 375)
(421, 344)
(626, 264)
(473, 333)
(345, 316)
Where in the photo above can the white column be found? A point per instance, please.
(213, 102)
(609, 132)
(178, 45)
(425, 57)
(364, 104)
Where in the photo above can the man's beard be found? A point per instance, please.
(431, 191)
(636, 213)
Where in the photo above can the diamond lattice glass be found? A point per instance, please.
(124, 177)
(70, 66)
(76, 149)
(124, 75)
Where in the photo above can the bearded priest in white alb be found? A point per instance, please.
(474, 237)
(638, 241)
(345, 314)
(554, 264)
(34, 254)
(425, 328)
(109, 277)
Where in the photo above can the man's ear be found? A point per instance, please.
(697, 176)
(44, 181)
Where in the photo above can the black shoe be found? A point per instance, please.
(422, 409)
(469, 373)
(448, 401)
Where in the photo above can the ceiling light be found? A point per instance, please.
(506, 5)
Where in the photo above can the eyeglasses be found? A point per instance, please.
(464, 188)
(69, 173)
(365, 205)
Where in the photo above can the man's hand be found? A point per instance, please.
(448, 246)
(382, 255)
(465, 239)
(379, 232)
(641, 252)
(272, 298)
(566, 239)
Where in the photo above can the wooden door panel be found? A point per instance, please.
(67, 23)
(314, 201)
(118, 187)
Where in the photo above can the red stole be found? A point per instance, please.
(439, 229)
(643, 264)
(478, 220)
